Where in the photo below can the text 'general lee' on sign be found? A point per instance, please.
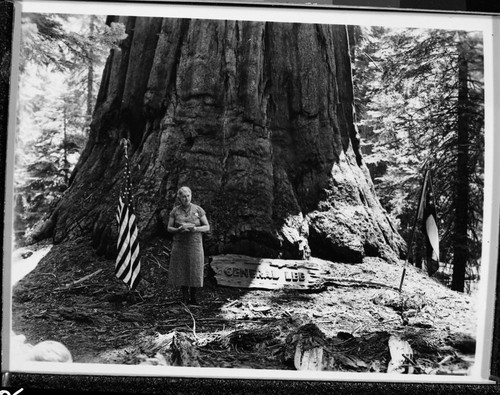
(289, 275)
(249, 272)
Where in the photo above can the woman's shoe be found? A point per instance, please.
(185, 295)
(193, 301)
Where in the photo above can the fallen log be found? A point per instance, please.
(346, 282)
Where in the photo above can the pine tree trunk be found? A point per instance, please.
(65, 146)
(90, 72)
(460, 248)
(257, 118)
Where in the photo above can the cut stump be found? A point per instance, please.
(401, 356)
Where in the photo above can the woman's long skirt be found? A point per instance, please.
(186, 260)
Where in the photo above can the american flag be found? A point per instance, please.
(128, 264)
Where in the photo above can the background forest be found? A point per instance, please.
(419, 101)
(61, 62)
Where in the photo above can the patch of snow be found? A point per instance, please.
(21, 266)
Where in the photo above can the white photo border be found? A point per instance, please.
(488, 24)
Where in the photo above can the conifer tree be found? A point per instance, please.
(420, 100)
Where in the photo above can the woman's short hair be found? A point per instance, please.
(184, 189)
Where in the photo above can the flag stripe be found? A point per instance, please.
(128, 265)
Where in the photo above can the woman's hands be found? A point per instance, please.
(186, 228)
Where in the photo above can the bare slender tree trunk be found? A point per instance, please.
(460, 248)
(65, 145)
(90, 73)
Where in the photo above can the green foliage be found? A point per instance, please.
(61, 63)
(407, 85)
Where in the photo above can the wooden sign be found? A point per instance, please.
(248, 272)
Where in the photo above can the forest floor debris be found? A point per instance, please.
(341, 327)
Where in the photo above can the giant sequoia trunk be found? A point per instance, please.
(257, 118)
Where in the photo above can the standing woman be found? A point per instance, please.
(187, 221)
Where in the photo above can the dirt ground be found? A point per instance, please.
(100, 322)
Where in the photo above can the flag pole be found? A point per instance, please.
(125, 143)
(407, 256)
(410, 245)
